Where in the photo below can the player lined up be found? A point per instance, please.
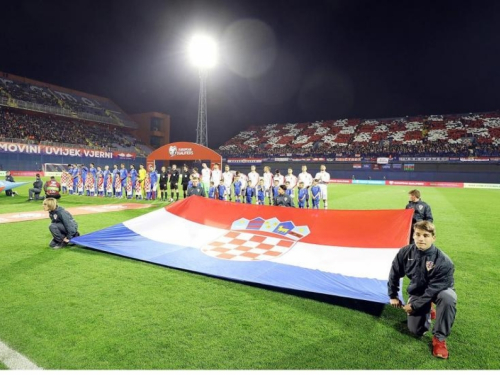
(119, 183)
(228, 186)
(253, 188)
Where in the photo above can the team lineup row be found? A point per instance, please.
(228, 185)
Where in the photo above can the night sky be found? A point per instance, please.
(281, 61)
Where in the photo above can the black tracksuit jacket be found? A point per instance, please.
(422, 211)
(430, 272)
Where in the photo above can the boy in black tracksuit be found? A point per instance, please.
(9, 178)
(37, 189)
(196, 189)
(421, 210)
(431, 280)
(63, 227)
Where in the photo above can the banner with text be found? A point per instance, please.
(20, 148)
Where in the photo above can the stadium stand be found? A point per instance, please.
(444, 135)
(20, 126)
(18, 92)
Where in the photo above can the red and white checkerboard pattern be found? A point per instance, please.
(243, 246)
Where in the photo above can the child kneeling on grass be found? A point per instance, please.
(63, 227)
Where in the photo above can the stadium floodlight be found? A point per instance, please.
(203, 54)
(203, 51)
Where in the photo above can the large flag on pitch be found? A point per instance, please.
(7, 185)
(346, 253)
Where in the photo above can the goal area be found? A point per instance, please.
(54, 169)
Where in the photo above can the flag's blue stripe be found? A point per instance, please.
(122, 241)
(11, 185)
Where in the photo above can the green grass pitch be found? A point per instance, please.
(79, 309)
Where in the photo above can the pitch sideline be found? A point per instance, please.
(14, 360)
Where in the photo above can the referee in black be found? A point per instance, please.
(163, 184)
(185, 180)
(174, 182)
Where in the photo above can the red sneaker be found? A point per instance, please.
(433, 312)
(439, 348)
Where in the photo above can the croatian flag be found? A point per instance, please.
(345, 253)
(7, 185)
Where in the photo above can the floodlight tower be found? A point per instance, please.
(203, 55)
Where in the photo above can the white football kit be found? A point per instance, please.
(306, 178)
(216, 177)
(228, 181)
(268, 183)
(324, 179)
(205, 176)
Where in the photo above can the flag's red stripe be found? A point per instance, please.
(350, 228)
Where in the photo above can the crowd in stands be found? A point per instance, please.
(19, 92)
(54, 129)
(11, 88)
(449, 135)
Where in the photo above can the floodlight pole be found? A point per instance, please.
(201, 128)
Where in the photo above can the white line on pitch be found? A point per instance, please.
(14, 360)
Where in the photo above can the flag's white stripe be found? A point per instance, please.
(164, 227)
(347, 261)
(372, 263)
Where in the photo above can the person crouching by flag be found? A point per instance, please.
(52, 188)
(196, 189)
(34, 193)
(283, 199)
(62, 227)
(431, 280)
(9, 178)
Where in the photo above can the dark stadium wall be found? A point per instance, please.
(443, 172)
(153, 126)
(26, 162)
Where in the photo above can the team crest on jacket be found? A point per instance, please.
(172, 150)
(420, 207)
(429, 265)
(256, 239)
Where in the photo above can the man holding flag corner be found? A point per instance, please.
(431, 280)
